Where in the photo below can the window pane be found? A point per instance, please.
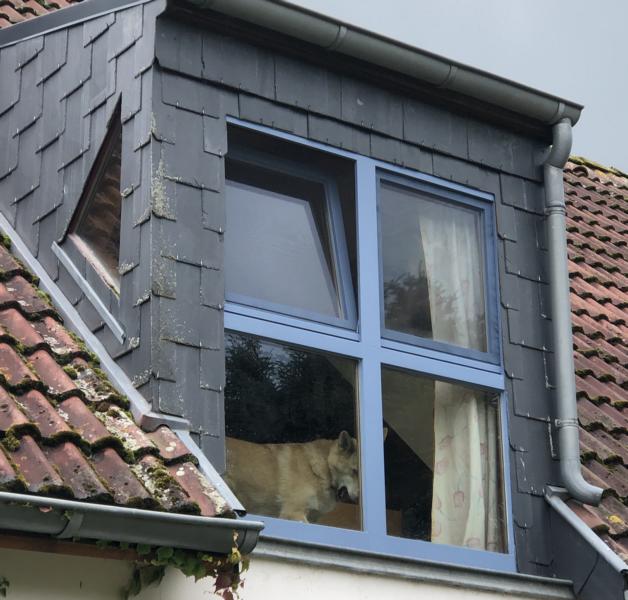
(433, 268)
(442, 462)
(97, 230)
(277, 245)
(291, 432)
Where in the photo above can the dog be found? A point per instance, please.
(301, 482)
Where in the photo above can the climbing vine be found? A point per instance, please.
(150, 568)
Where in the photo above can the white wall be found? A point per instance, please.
(575, 49)
(37, 576)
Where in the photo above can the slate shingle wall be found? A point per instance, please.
(58, 93)
(205, 75)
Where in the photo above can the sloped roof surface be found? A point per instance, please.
(17, 11)
(64, 430)
(597, 224)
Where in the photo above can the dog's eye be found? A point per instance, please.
(355, 471)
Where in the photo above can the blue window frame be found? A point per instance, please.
(373, 347)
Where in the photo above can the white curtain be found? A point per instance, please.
(465, 504)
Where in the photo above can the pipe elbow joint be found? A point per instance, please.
(561, 146)
(578, 488)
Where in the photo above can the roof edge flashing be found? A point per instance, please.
(60, 19)
(555, 498)
(427, 67)
(141, 410)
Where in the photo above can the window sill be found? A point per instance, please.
(89, 292)
(421, 571)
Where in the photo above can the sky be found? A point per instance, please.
(575, 49)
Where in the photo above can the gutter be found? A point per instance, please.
(70, 519)
(435, 70)
(566, 409)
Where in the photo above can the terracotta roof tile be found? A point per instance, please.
(82, 420)
(17, 11)
(44, 415)
(597, 214)
(76, 473)
(65, 430)
(17, 327)
(39, 476)
(8, 478)
(171, 448)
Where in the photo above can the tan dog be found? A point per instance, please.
(301, 482)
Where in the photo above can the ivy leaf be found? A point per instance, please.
(164, 553)
(143, 549)
(223, 581)
(179, 558)
(151, 574)
(4, 584)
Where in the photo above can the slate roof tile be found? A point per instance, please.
(65, 431)
(597, 214)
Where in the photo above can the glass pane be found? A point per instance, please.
(442, 462)
(291, 427)
(97, 232)
(277, 242)
(433, 268)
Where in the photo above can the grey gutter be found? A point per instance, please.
(62, 18)
(140, 408)
(432, 69)
(71, 519)
(566, 409)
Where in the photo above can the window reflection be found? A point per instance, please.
(432, 263)
(291, 430)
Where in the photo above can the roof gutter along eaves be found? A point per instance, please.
(566, 409)
(71, 519)
(432, 69)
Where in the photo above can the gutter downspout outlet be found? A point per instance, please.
(566, 409)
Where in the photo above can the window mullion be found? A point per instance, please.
(371, 418)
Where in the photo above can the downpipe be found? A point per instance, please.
(566, 409)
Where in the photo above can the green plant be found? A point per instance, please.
(4, 586)
(150, 568)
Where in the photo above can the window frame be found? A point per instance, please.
(372, 351)
(335, 225)
(74, 254)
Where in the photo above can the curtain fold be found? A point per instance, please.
(465, 501)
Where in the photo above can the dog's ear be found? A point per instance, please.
(345, 442)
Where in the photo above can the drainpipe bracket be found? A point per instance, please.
(561, 423)
(554, 490)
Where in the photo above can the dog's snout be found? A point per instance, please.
(343, 494)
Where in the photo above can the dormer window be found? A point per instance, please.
(363, 404)
(95, 229)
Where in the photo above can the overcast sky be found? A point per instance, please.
(576, 49)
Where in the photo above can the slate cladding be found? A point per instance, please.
(65, 431)
(17, 11)
(597, 225)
